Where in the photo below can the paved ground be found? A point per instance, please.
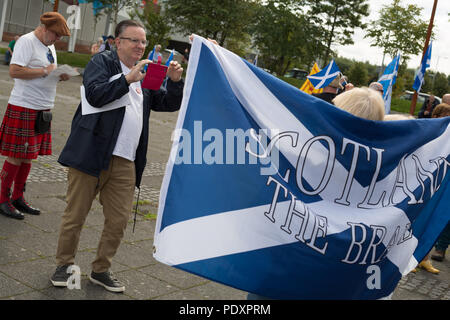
(27, 248)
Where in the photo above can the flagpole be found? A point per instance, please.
(427, 41)
(55, 6)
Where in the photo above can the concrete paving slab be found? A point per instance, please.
(11, 287)
(142, 286)
(176, 277)
(11, 252)
(34, 274)
(133, 256)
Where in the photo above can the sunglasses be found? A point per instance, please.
(50, 56)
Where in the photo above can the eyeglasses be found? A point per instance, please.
(50, 56)
(136, 41)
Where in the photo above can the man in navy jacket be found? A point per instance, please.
(106, 151)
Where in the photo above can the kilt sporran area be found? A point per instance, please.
(18, 138)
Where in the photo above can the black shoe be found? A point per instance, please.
(439, 256)
(23, 206)
(60, 277)
(7, 209)
(107, 280)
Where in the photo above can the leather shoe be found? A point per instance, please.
(25, 207)
(426, 264)
(8, 210)
(438, 256)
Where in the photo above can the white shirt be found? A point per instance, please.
(39, 93)
(131, 129)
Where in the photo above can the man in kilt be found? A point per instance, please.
(34, 58)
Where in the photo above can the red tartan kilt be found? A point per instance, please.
(18, 138)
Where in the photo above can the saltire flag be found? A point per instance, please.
(319, 210)
(325, 76)
(170, 58)
(388, 80)
(97, 6)
(307, 85)
(420, 73)
(150, 57)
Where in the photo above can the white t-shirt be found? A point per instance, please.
(131, 129)
(39, 93)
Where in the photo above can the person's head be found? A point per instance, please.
(398, 116)
(16, 38)
(99, 40)
(431, 98)
(158, 48)
(442, 110)
(53, 27)
(361, 102)
(130, 41)
(336, 83)
(110, 39)
(446, 98)
(377, 87)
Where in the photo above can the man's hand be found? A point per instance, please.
(64, 77)
(174, 71)
(135, 73)
(48, 69)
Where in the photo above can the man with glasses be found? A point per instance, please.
(33, 59)
(106, 151)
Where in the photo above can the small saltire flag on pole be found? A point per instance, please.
(420, 73)
(271, 191)
(325, 76)
(170, 58)
(388, 80)
(255, 61)
(307, 85)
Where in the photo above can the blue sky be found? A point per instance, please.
(440, 59)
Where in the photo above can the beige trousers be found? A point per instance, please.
(116, 187)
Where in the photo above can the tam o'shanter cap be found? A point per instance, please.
(55, 22)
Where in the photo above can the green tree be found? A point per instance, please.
(283, 35)
(341, 18)
(440, 84)
(427, 85)
(112, 7)
(358, 74)
(399, 29)
(216, 19)
(155, 23)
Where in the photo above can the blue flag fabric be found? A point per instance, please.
(325, 76)
(270, 190)
(388, 80)
(150, 57)
(170, 58)
(420, 74)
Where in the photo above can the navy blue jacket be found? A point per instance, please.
(93, 137)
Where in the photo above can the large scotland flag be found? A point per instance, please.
(275, 192)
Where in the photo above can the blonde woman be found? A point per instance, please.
(361, 102)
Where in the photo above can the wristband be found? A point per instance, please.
(46, 72)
